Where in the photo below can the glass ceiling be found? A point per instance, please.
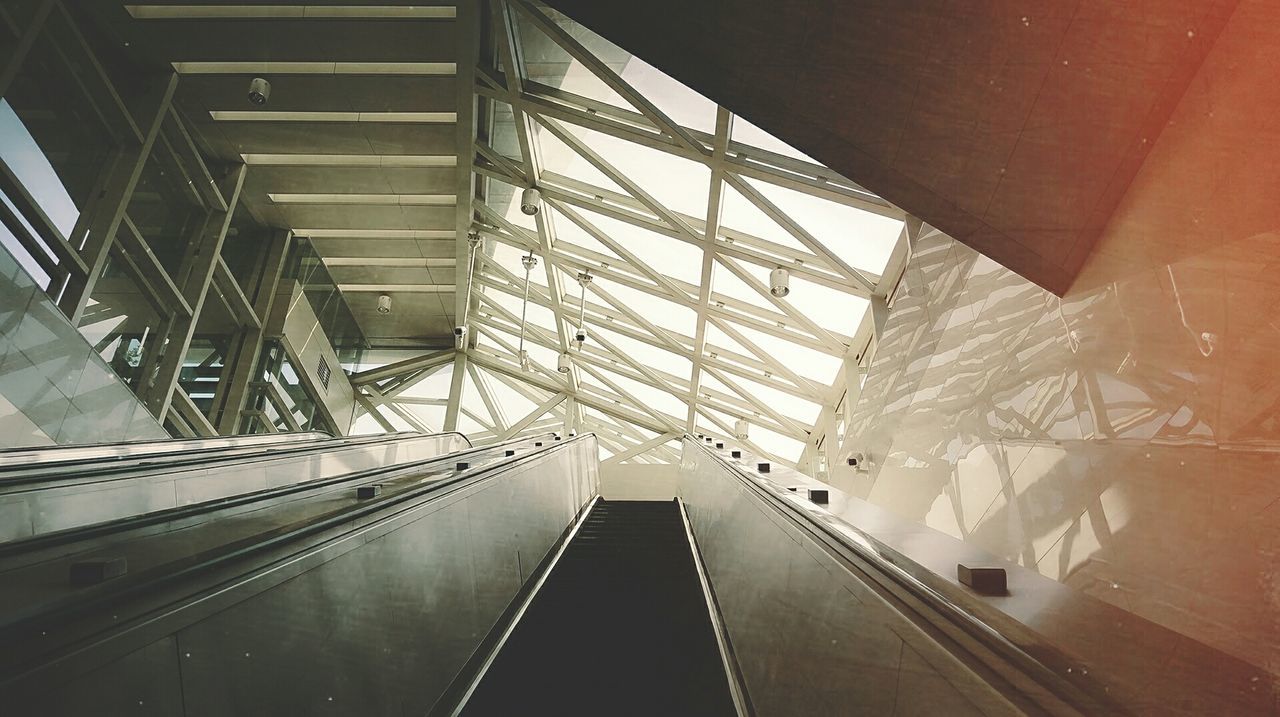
(626, 160)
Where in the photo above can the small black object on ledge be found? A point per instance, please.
(985, 581)
(365, 492)
(463, 465)
(90, 572)
(735, 454)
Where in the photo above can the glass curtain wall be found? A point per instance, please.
(336, 320)
(669, 222)
(123, 263)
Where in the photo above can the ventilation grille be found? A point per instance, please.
(323, 371)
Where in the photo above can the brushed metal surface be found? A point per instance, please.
(809, 637)
(29, 512)
(380, 624)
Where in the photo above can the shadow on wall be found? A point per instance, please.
(1124, 439)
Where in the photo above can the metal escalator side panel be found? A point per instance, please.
(797, 614)
(378, 610)
(70, 503)
(21, 457)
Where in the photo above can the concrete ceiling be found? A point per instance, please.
(1015, 127)
(393, 226)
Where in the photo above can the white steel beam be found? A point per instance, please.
(724, 123)
(532, 416)
(641, 448)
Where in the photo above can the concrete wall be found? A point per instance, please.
(294, 321)
(54, 388)
(639, 481)
(1124, 439)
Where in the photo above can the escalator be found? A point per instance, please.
(495, 580)
(361, 593)
(619, 627)
(55, 489)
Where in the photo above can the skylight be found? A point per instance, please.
(630, 179)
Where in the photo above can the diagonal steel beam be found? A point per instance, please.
(606, 74)
(724, 122)
(533, 415)
(641, 448)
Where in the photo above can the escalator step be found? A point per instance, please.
(620, 627)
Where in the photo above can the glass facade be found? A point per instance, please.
(120, 195)
(109, 207)
(684, 331)
(280, 401)
(336, 320)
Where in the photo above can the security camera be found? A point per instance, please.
(384, 303)
(460, 334)
(473, 238)
(529, 201)
(779, 282)
(579, 338)
(259, 91)
(857, 461)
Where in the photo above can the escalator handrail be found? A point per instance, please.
(142, 466)
(954, 605)
(734, 678)
(19, 452)
(454, 699)
(358, 517)
(44, 541)
(201, 445)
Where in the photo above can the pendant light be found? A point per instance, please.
(529, 262)
(580, 337)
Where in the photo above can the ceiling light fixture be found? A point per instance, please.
(530, 201)
(580, 337)
(779, 282)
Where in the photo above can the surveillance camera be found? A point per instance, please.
(459, 331)
(529, 201)
(473, 238)
(259, 91)
(579, 338)
(857, 461)
(779, 282)
(384, 303)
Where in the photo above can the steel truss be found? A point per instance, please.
(627, 425)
